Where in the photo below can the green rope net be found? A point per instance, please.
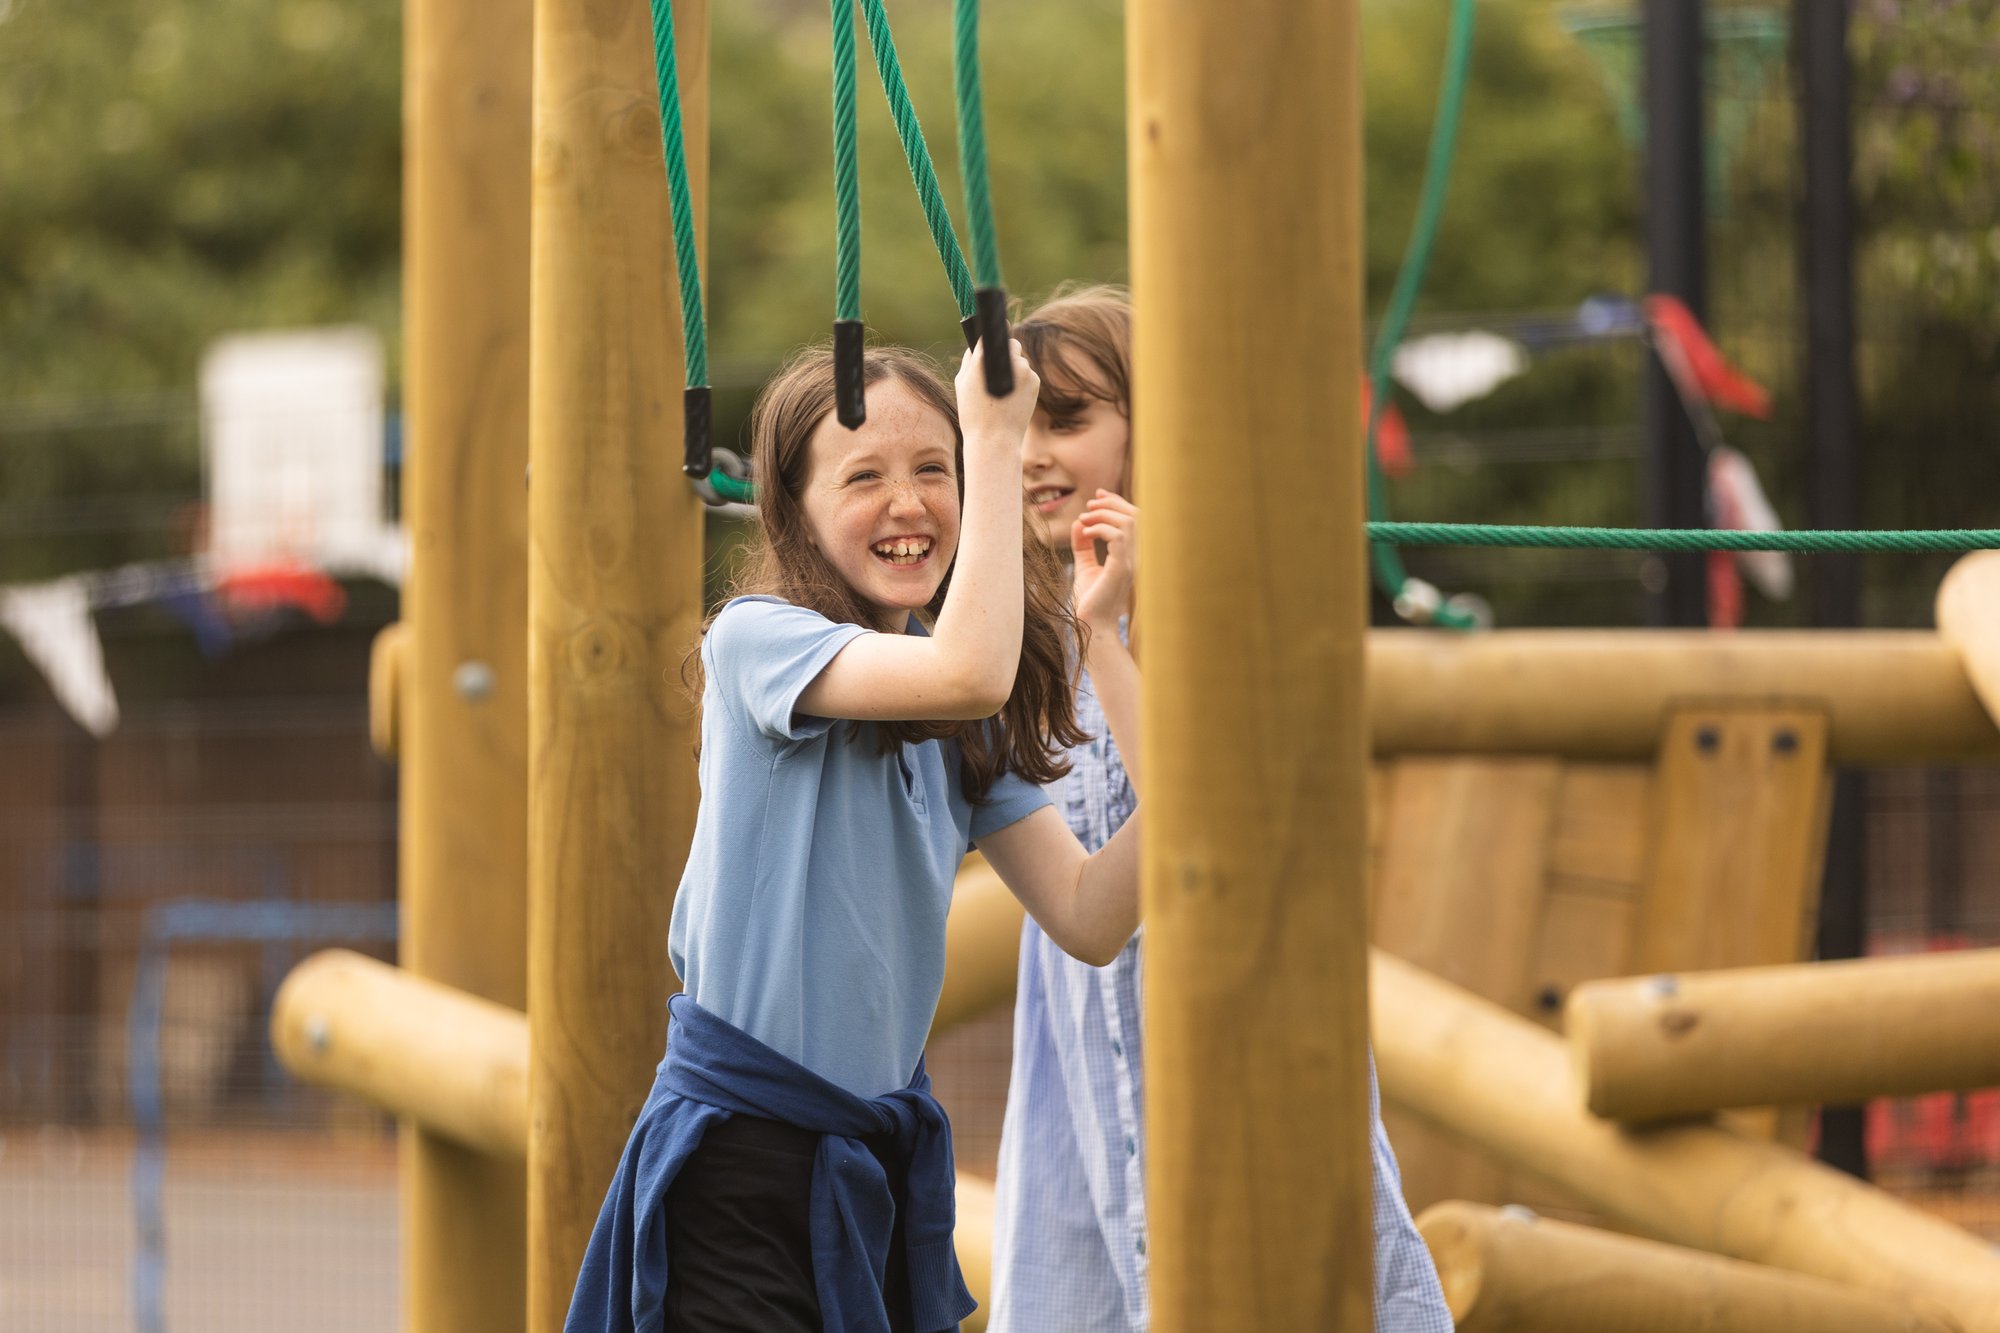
(1681, 539)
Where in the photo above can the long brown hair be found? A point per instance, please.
(1038, 721)
(1079, 342)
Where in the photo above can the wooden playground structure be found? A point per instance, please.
(1544, 811)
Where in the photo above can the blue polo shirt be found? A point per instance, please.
(811, 914)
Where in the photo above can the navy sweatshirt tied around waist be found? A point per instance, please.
(714, 1070)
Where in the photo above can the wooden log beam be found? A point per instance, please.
(1505, 1085)
(1968, 619)
(982, 947)
(1255, 833)
(1508, 1271)
(1660, 1047)
(385, 688)
(451, 1062)
(615, 600)
(1889, 697)
(456, 671)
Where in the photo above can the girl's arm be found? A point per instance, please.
(965, 668)
(1088, 903)
(1103, 594)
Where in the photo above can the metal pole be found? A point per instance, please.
(1819, 36)
(1676, 265)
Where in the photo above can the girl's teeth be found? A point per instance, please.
(903, 552)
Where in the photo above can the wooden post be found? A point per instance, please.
(1501, 1082)
(455, 697)
(615, 554)
(453, 1064)
(1508, 1271)
(1652, 1048)
(1246, 283)
(1889, 697)
(1740, 797)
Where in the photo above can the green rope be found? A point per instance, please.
(917, 153)
(972, 144)
(1680, 539)
(1389, 571)
(729, 488)
(846, 169)
(694, 333)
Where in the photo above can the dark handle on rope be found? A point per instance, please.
(695, 433)
(969, 326)
(850, 392)
(991, 316)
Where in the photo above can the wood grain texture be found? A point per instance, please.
(1890, 696)
(1255, 833)
(1497, 1080)
(1739, 831)
(1458, 892)
(463, 848)
(1650, 1048)
(1506, 1272)
(614, 603)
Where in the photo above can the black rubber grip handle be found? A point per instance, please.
(998, 357)
(850, 394)
(969, 326)
(696, 437)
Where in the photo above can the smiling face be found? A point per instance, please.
(881, 505)
(1073, 450)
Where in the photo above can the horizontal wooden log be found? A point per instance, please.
(1654, 1048)
(1890, 697)
(973, 1239)
(1509, 1271)
(1968, 620)
(450, 1061)
(982, 947)
(385, 688)
(1504, 1084)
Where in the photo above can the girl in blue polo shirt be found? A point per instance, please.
(882, 692)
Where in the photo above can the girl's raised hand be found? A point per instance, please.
(982, 416)
(1105, 545)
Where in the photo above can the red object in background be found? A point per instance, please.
(1725, 591)
(1944, 1132)
(1392, 437)
(1721, 383)
(272, 587)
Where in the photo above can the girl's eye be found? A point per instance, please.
(935, 469)
(861, 476)
(1064, 425)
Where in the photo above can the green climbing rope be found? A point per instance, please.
(694, 332)
(972, 144)
(1389, 571)
(917, 153)
(1681, 539)
(846, 170)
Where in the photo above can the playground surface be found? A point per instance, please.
(272, 1228)
(265, 1229)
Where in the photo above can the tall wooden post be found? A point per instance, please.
(464, 671)
(1244, 124)
(614, 602)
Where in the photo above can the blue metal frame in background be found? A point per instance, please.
(199, 922)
